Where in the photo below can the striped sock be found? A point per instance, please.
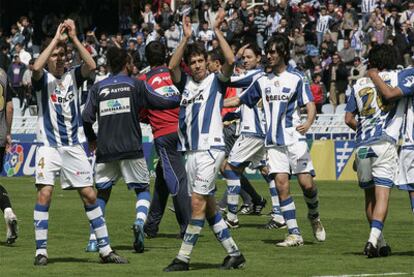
(376, 230)
(312, 201)
(276, 212)
(233, 191)
(101, 203)
(41, 223)
(190, 238)
(96, 219)
(142, 207)
(223, 235)
(289, 213)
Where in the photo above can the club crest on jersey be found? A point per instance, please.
(268, 91)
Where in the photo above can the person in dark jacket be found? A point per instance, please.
(116, 102)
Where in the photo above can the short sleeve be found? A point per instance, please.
(78, 76)
(304, 92)
(251, 95)
(351, 105)
(406, 81)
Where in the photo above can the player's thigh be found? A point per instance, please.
(207, 164)
(246, 150)
(48, 164)
(299, 158)
(173, 169)
(135, 173)
(405, 180)
(364, 167)
(77, 170)
(106, 174)
(385, 166)
(277, 160)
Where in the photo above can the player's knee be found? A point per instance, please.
(88, 195)
(198, 204)
(44, 194)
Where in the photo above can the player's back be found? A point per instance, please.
(378, 120)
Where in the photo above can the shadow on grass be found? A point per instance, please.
(253, 225)
(359, 253)
(2, 243)
(70, 260)
(201, 266)
(405, 253)
(273, 241)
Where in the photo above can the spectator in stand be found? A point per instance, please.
(235, 26)
(16, 37)
(260, 23)
(15, 75)
(272, 21)
(141, 50)
(283, 27)
(338, 80)
(172, 36)
(25, 56)
(243, 12)
(27, 31)
(299, 46)
(206, 35)
(27, 85)
(165, 17)
(408, 15)
(347, 54)
(250, 29)
(318, 92)
(322, 25)
(350, 19)
(4, 56)
(379, 32)
(357, 71)
(148, 16)
(367, 7)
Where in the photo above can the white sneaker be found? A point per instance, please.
(318, 230)
(291, 241)
(11, 223)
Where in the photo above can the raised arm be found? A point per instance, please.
(389, 93)
(175, 60)
(227, 68)
(44, 56)
(89, 64)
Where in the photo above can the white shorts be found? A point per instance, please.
(202, 168)
(134, 171)
(70, 162)
(292, 159)
(247, 150)
(405, 180)
(377, 165)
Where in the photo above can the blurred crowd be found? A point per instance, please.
(330, 40)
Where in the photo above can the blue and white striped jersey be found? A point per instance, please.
(406, 80)
(252, 120)
(368, 6)
(200, 122)
(377, 120)
(59, 120)
(322, 24)
(282, 97)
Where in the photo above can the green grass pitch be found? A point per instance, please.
(342, 214)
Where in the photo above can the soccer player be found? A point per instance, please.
(6, 119)
(282, 92)
(231, 125)
(377, 132)
(61, 135)
(116, 103)
(201, 137)
(170, 177)
(249, 147)
(404, 88)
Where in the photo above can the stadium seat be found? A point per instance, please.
(328, 109)
(340, 109)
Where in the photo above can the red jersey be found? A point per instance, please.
(163, 122)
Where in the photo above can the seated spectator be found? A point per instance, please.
(318, 92)
(357, 71)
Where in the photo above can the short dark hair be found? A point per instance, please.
(194, 49)
(382, 57)
(155, 53)
(117, 59)
(255, 48)
(217, 55)
(282, 46)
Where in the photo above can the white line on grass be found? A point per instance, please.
(369, 274)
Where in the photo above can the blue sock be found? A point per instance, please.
(289, 213)
(97, 221)
(276, 211)
(376, 231)
(102, 204)
(190, 239)
(222, 233)
(233, 191)
(41, 222)
(142, 206)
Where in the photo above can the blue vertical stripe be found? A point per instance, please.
(195, 111)
(74, 122)
(47, 123)
(269, 136)
(61, 125)
(280, 138)
(183, 127)
(290, 110)
(209, 108)
(257, 122)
